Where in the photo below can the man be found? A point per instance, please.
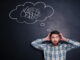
(55, 50)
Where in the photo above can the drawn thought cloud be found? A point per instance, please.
(30, 12)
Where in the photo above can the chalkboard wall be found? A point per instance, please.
(16, 37)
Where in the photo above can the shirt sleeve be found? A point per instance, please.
(72, 44)
(38, 44)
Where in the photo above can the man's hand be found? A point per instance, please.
(62, 37)
(47, 38)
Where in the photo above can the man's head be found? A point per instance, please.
(55, 37)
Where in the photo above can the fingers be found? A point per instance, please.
(48, 34)
(61, 34)
(48, 37)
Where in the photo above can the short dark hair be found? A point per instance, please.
(54, 32)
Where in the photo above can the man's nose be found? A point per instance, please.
(54, 39)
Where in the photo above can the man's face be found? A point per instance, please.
(55, 38)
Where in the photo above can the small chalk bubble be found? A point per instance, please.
(42, 24)
(49, 30)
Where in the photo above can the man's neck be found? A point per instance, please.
(55, 44)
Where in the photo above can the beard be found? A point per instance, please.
(55, 43)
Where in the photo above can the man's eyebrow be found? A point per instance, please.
(56, 36)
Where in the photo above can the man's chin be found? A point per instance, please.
(55, 43)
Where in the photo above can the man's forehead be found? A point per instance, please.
(55, 35)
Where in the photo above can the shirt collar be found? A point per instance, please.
(57, 45)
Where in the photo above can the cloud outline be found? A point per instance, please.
(34, 4)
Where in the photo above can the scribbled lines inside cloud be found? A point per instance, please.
(30, 12)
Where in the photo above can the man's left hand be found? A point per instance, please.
(62, 37)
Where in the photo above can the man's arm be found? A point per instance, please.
(72, 44)
(38, 44)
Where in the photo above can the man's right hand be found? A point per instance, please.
(47, 38)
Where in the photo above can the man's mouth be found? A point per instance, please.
(55, 41)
